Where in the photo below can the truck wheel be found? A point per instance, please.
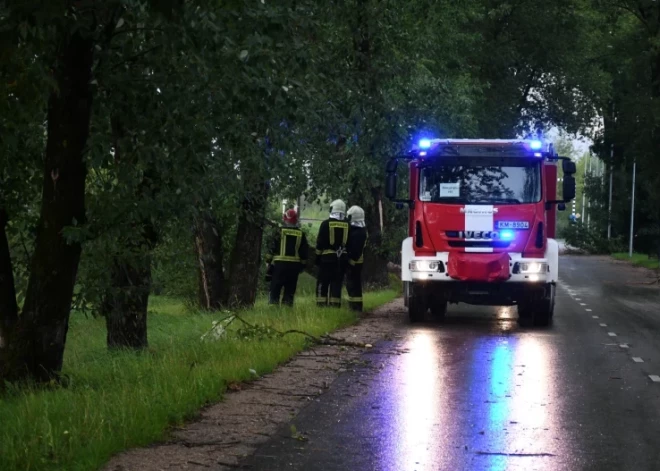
(537, 312)
(406, 293)
(545, 310)
(438, 308)
(417, 304)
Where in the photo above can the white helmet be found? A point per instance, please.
(338, 206)
(356, 214)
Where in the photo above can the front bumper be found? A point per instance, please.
(521, 270)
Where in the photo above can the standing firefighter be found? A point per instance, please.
(287, 256)
(357, 239)
(331, 256)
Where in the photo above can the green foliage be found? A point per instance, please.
(117, 400)
(591, 240)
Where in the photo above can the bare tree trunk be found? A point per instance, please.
(8, 306)
(374, 272)
(126, 316)
(36, 346)
(246, 256)
(210, 255)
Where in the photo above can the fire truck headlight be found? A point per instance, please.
(533, 267)
(423, 265)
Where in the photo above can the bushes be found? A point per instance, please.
(591, 240)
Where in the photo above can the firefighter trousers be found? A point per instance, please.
(285, 277)
(329, 283)
(354, 287)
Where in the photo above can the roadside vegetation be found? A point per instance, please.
(116, 400)
(638, 259)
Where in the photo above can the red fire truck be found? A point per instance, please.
(482, 217)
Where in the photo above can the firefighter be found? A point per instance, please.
(331, 256)
(357, 240)
(286, 258)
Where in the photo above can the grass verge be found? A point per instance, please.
(637, 259)
(121, 400)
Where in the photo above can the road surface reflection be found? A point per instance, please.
(487, 396)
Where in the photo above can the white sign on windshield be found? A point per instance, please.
(450, 190)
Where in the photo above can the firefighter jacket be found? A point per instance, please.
(289, 246)
(331, 240)
(357, 240)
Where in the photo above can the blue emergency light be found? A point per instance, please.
(536, 145)
(507, 235)
(424, 143)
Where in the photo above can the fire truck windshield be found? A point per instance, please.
(481, 181)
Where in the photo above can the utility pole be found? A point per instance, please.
(609, 204)
(632, 210)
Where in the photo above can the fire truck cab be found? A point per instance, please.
(482, 218)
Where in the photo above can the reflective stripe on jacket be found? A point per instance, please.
(289, 246)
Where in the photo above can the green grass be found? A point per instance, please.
(637, 259)
(120, 400)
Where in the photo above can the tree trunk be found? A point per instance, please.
(208, 246)
(36, 345)
(246, 256)
(8, 306)
(127, 302)
(374, 272)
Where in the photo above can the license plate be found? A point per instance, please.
(512, 225)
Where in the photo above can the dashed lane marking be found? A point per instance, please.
(611, 334)
(589, 310)
(603, 325)
(624, 345)
(638, 360)
(655, 378)
(595, 317)
(583, 304)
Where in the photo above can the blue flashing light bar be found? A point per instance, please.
(536, 145)
(424, 143)
(507, 235)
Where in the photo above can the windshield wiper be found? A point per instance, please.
(505, 201)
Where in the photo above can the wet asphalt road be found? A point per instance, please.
(480, 393)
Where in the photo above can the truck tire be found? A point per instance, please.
(438, 307)
(537, 312)
(417, 304)
(406, 293)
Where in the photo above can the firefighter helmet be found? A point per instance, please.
(356, 214)
(290, 217)
(338, 206)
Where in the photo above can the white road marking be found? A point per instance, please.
(624, 345)
(611, 334)
(638, 360)
(589, 310)
(595, 317)
(582, 304)
(655, 378)
(578, 299)
(603, 325)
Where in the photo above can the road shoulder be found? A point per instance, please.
(227, 432)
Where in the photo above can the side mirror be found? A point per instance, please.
(390, 186)
(569, 167)
(391, 166)
(561, 207)
(568, 188)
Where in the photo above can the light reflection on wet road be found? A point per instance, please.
(480, 393)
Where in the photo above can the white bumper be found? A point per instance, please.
(550, 260)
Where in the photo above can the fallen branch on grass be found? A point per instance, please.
(219, 330)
